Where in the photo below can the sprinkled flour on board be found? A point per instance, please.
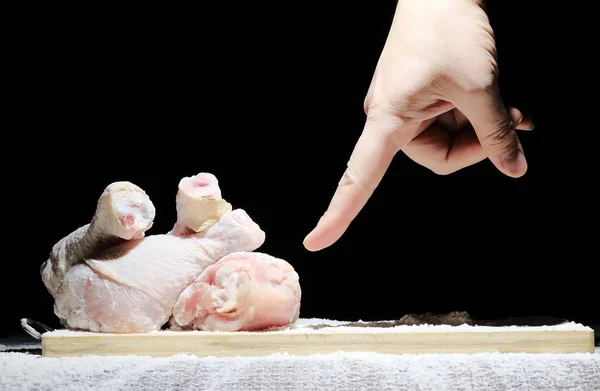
(335, 326)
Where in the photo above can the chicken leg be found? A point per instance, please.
(243, 291)
(123, 212)
(133, 286)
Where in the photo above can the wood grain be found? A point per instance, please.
(231, 344)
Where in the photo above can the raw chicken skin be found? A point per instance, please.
(89, 301)
(243, 291)
(163, 265)
(109, 276)
(144, 277)
(123, 212)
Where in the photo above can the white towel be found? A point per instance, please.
(341, 371)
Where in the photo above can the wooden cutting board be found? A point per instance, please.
(302, 339)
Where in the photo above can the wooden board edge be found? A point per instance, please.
(302, 344)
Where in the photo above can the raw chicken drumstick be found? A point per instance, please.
(110, 277)
(123, 212)
(133, 286)
(243, 291)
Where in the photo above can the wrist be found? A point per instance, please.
(440, 4)
(434, 8)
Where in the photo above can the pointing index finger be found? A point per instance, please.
(368, 163)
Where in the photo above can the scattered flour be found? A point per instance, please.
(304, 326)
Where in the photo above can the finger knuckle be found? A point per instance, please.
(501, 141)
(480, 80)
(353, 177)
(477, 83)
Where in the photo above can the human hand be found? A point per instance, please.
(434, 95)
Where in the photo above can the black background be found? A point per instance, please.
(269, 99)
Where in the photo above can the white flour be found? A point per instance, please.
(303, 326)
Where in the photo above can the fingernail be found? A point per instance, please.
(515, 165)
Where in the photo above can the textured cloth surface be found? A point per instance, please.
(343, 371)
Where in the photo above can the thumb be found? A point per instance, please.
(380, 140)
(495, 130)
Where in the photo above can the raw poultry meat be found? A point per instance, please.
(123, 212)
(243, 291)
(109, 276)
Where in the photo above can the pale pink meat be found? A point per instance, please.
(110, 276)
(145, 277)
(243, 291)
(131, 284)
(123, 212)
